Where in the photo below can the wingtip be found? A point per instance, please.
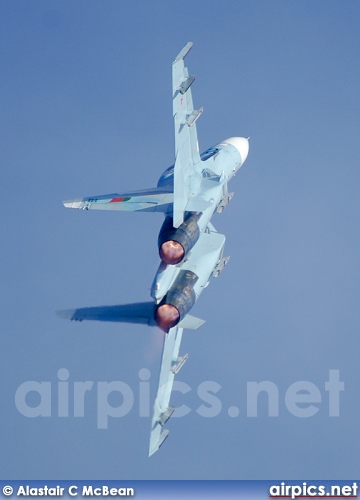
(183, 52)
(164, 434)
(65, 313)
(73, 204)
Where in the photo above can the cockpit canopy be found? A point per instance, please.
(167, 178)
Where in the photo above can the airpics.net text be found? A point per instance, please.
(66, 398)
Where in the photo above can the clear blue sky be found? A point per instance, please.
(86, 109)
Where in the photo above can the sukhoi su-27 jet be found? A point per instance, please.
(191, 250)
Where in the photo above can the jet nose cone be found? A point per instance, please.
(241, 144)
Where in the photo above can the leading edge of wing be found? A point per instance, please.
(146, 200)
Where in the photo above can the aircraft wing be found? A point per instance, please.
(170, 365)
(186, 142)
(147, 200)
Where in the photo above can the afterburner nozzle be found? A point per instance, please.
(171, 252)
(167, 316)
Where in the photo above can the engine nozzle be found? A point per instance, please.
(171, 252)
(167, 316)
(177, 302)
(175, 243)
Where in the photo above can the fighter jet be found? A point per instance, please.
(191, 250)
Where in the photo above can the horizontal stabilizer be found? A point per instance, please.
(140, 313)
(191, 322)
(147, 200)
